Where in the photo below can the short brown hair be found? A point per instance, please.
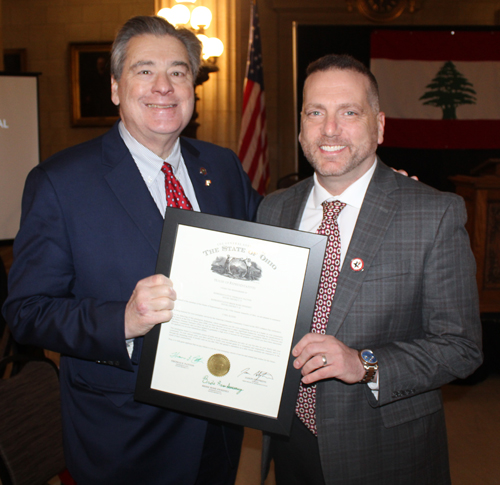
(345, 62)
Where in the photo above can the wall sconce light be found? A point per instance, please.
(197, 19)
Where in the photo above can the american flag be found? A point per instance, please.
(252, 145)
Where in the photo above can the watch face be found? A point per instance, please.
(368, 356)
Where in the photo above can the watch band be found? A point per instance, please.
(370, 369)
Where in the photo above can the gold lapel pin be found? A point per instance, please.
(208, 182)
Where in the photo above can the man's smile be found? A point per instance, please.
(332, 148)
(161, 106)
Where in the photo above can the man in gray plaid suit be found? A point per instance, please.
(404, 318)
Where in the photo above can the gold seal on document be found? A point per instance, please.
(218, 365)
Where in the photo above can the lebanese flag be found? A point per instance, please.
(438, 89)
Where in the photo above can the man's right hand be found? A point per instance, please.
(151, 303)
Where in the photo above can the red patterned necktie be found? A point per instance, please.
(306, 401)
(175, 193)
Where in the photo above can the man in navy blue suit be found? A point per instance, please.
(83, 281)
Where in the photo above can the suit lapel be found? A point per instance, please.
(374, 218)
(293, 208)
(126, 182)
(200, 172)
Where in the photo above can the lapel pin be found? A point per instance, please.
(208, 182)
(203, 171)
(357, 264)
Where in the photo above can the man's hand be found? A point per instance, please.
(342, 362)
(405, 173)
(151, 303)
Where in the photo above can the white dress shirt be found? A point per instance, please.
(353, 197)
(150, 164)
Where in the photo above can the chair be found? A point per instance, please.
(31, 450)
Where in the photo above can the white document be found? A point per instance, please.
(230, 338)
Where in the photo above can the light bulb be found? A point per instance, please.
(180, 14)
(165, 13)
(201, 17)
(215, 47)
(203, 39)
(204, 42)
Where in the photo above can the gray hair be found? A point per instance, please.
(348, 63)
(158, 26)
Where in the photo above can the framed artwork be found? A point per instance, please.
(91, 103)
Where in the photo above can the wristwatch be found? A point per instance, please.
(370, 364)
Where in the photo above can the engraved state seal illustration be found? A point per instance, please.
(237, 268)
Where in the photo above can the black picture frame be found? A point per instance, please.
(314, 243)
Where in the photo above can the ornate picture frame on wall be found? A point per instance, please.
(91, 103)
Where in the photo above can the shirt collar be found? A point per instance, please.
(353, 195)
(149, 163)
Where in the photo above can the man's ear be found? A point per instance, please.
(300, 129)
(381, 126)
(114, 91)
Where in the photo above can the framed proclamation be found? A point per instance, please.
(245, 296)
